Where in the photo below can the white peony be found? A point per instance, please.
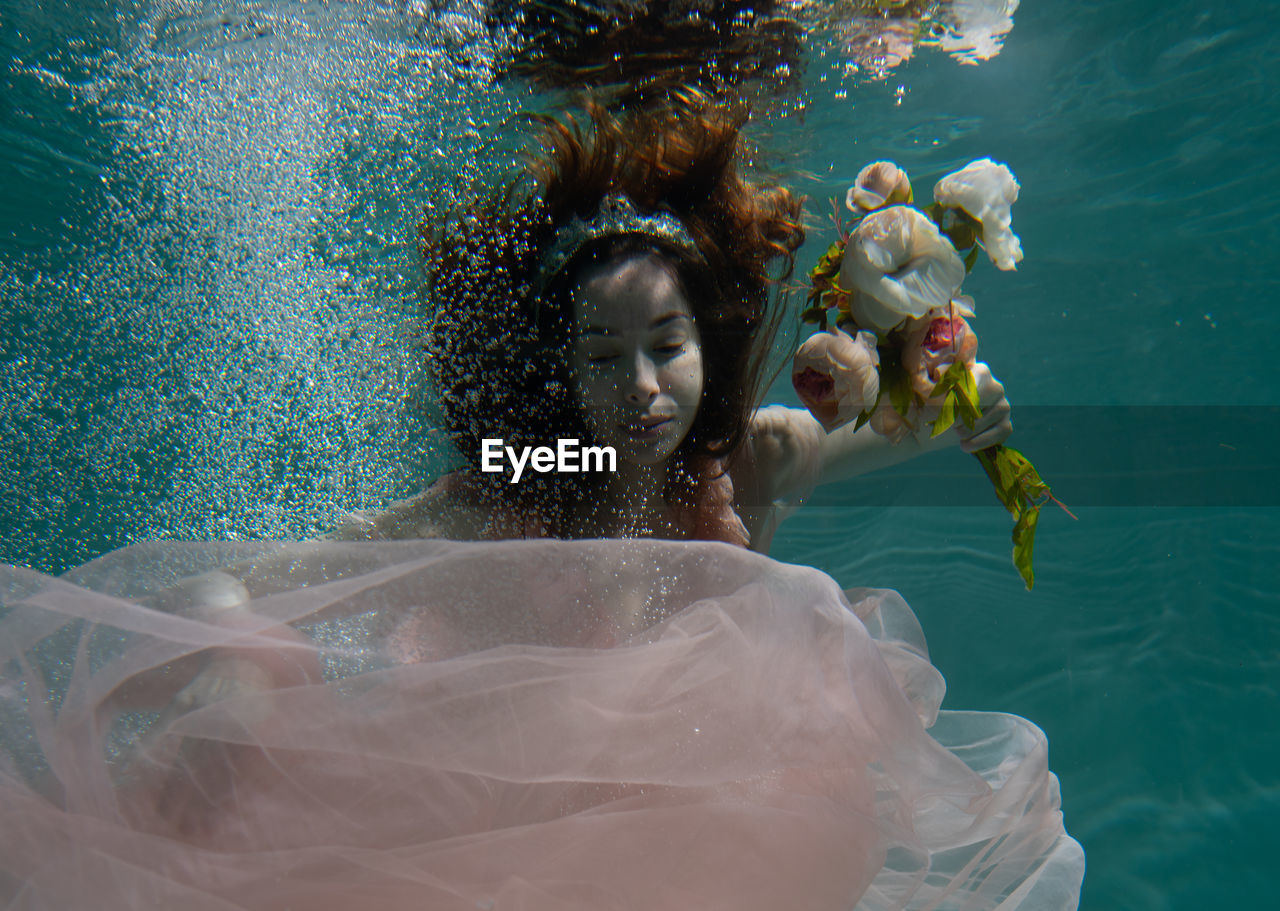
(987, 191)
(879, 184)
(898, 265)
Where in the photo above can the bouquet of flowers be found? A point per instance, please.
(895, 346)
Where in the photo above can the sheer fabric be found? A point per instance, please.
(533, 725)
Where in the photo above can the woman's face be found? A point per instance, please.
(637, 358)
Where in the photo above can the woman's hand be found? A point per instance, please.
(793, 453)
(225, 677)
(202, 755)
(994, 426)
(193, 783)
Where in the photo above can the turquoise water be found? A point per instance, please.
(209, 290)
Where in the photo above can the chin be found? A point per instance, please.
(647, 458)
(656, 453)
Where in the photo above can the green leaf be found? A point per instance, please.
(1025, 475)
(966, 387)
(942, 387)
(1024, 540)
(1034, 487)
(1005, 482)
(1020, 488)
(823, 275)
(863, 417)
(900, 392)
(1030, 482)
(986, 458)
(1028, 477)
(1016, 459)
(970, 261)
(946, 415)
(1008, 470)
(966, 382)
(894, 382)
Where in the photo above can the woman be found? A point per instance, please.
(624, 300)
(544, 725)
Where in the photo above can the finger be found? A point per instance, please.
(997, 413)
(990, 389)
(991, 436)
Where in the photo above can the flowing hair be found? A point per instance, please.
(500, 336)
(628, 51)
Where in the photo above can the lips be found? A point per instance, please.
(644, 428)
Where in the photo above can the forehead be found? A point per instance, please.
(628, 293)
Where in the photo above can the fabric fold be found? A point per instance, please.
(534, 725)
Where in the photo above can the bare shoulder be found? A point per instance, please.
(446, 509)
(778, 432)
(781, 458)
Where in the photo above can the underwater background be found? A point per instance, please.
(209, 297)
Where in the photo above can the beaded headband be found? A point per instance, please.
(616, 215)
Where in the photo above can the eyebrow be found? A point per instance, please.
(658, 323)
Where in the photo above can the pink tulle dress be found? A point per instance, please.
(517, 726)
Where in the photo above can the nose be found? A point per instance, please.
(642, 384)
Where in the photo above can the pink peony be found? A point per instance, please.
(935, 342)
(836, 375)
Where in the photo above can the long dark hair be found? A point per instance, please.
(500, 334)
(629, 51)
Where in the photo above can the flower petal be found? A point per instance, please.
(987, 191)
(898, 257)
(935, 342)
(836, 375)
(879, 184)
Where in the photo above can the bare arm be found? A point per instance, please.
(225, 598)
(793, 453)
(444, 510)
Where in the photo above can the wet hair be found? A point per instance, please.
(629, 49)
(500, 336)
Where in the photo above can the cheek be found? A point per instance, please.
(689, 381)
